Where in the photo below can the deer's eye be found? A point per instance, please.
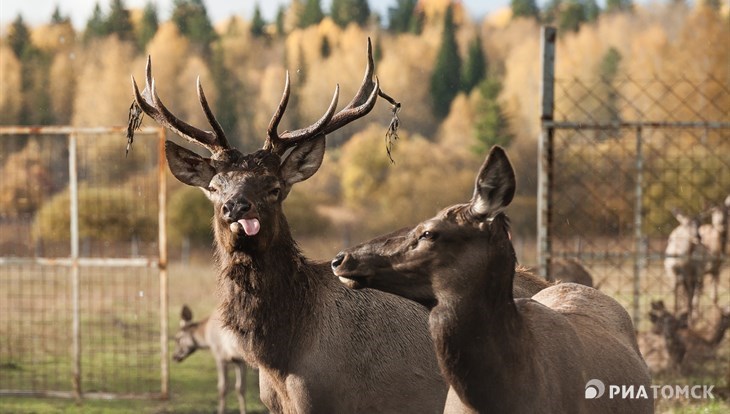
(428, 235)
(212, 189)
(274, 192)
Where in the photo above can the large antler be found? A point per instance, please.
(215, 141)
(359, 106)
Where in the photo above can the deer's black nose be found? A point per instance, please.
(337, 261)
(234, 210)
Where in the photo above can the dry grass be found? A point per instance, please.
(193, 382)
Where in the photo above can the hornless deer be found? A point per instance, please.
(500, 354)
(686, 347)
(209, 333)
(367, 265)
(661, 346)
(714, 237)
(569, 271)
(319, 347)
(684, 261)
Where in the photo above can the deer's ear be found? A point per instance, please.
(682, 218)
(495, 185)
(186, 314)
(303, 161)
(187, 166)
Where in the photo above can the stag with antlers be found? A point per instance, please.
(319, 347)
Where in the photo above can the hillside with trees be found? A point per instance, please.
(464, 86)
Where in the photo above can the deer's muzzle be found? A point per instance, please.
(249, 226)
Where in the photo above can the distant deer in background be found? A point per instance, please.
(684, 262)
(319, 346)
(209, 333)
(714, 237)
(500, 354)
(687, 348)
(569, 270)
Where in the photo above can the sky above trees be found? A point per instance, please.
(39, 11)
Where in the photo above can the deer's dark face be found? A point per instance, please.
(185, 343)
(409, 262)
(246, 190)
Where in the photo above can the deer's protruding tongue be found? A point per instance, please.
(250, 226)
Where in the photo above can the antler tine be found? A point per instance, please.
(151, 104)
(279, 143)
(360, 105)
(365, 98)
(217, 129)
(367, 80)
(272, 134)
(316, 128)
(351, 113)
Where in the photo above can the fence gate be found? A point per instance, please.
(616, 157)
(83, 283)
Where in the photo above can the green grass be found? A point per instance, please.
(683, 407)
(192, 390)
(193, 382)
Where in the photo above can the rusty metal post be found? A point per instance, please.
(640, 247)
(545, 157)
(162, 263)
(74, 219)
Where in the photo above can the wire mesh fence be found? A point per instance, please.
(620, 156)
(82, 263)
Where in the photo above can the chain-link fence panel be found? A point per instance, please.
(82, 263)
(624, 162)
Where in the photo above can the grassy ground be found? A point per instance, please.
(192, 390)
(193, 382)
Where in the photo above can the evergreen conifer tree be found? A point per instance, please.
(475, 67)
(491, 126)
(19, 38)
(524, 8)
(148, 25)
(311, 14)
(343, 12)
(118, 21)
(613, 6)
(403, 18)
(191, 19)
(96, 25)
(446, 76)
(258, 24)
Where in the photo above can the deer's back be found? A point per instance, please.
(526, 284)
(607, 337)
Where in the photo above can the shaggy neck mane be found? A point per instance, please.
(265, 296)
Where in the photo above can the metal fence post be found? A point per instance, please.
(74, 219)
(640, 248)
(545, 157)
(162, 263)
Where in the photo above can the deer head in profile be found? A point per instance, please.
(403, 261)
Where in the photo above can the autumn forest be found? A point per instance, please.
(464, 86)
